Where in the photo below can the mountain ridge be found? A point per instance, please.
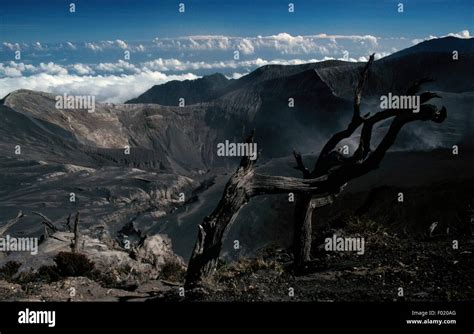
(192, 91)
(295, 106)
(437, 52)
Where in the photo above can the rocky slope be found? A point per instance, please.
(173, 149)
(192, 91)
(159, 137)
(322, 94)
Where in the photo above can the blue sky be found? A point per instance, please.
(50, 21)
(84, 52)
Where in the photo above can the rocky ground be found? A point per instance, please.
(100, 268)
(427, 269)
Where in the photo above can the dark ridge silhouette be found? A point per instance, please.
(193, 91)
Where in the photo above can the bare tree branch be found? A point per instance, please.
(68, 222)
(48, 222)
(11, 222)
(76, 234)
(356, 117)
(318, 188)
(300, 165)
(347, 172)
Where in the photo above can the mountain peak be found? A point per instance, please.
(215, 76)
(438, 45)
(193, 91)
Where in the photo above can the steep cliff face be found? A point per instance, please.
(261, 100)
(168, 138)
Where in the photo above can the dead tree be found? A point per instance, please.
(11, 222)
(306, 204)
(68, 222)
(317, 188)
(49, 227)
(75, 240)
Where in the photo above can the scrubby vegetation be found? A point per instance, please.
(66, 265)
(172, 271)
(8, 271)
(73, 264)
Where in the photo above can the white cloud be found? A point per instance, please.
(379, 55)
(125, 80)
(282, 42)
(121, 44)
(82, 69)
(419, 40)
(217, 47)
(10, 71)
(165, 65)
(245, 46)
(13, 69)
(214, 47)
(117, 81)
(236, 75)
(172, 64)
(119, 67)
(11, 46)
(52, 68)
(71, 46)
(93, 46)
(38, 46)
(462, 34)
(110, 88)
(197, 43)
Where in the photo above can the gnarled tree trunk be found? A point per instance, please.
(302, 233)
(305, 206)
(317, 188)
(243, 185)
(209, 242)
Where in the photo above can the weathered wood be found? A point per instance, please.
(207, 249)
(46, 221)
(300, 165)
(68, 222)
(46, 233)
(75, 241)
(11, 222)
(302, 231)
(305, 206)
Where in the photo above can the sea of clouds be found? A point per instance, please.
(102, 69)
